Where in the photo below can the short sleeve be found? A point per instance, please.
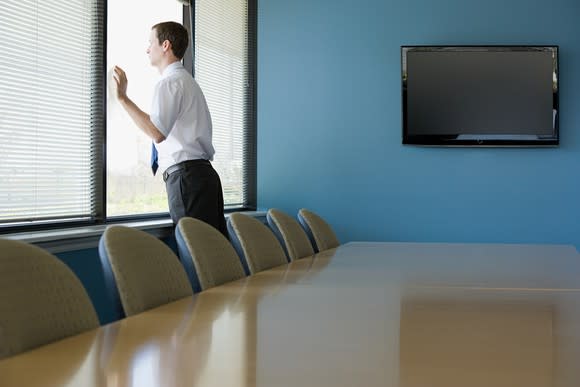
(165, 106)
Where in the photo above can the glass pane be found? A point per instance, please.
(131, 187)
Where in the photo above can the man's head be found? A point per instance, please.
(169, 38)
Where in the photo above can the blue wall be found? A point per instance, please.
(87, 267)
(329, 123)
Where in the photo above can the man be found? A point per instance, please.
(180, 126)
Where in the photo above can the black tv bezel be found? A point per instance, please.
(484, 140)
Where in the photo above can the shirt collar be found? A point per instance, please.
(175, 66)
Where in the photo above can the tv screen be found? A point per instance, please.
(480, 95)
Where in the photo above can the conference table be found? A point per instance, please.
(363, 314)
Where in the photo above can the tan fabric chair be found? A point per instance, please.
(141, 271)
(290, 234)
(41, 299)
(319, 232)
(255, 243)
(208, 257)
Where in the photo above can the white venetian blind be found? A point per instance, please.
(51, 109)
(224, 45)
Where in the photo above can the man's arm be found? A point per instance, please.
(141, 119)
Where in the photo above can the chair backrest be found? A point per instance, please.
(208, 257)
(319, 232)
(41, 299)
(141, 272)
(255, 243)
(291, 235)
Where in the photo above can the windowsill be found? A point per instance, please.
(87, 237)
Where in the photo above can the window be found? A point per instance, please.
(55, 95)
(50, 110)
(131, 187)
(223, 44)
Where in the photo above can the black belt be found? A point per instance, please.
(181, 166)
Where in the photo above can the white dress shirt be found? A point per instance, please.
(179, 110)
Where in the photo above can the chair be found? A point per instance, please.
(41, 299)
(208, 257)
(255, 243)
(141, 272)
(290, 234)
(320, 233)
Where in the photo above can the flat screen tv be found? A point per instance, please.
(480, 95)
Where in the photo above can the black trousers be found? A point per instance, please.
(194, 189)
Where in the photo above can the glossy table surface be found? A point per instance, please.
(365, 314)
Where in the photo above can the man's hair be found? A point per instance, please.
(176, 34)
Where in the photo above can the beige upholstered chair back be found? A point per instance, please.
(321, 233)
(210, 257)
(41, 299)
(255, 243)
(146, 271)
(290, 234)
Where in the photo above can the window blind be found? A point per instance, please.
(51, 110)
(224, 59)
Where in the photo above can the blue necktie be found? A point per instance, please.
(154, 164)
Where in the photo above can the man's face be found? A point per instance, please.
(155, 50)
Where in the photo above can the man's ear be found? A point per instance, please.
(166, 45)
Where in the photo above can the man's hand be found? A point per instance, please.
(121, 82)
(141, 119)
